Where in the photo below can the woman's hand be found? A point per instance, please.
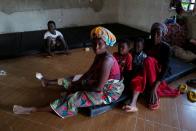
(154, 96)
(156, 85)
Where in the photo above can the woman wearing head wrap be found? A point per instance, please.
(154, 69)
(99, 85)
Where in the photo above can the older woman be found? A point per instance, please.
(99, 85)
(151, 79)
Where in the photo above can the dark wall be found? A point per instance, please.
(23, 43)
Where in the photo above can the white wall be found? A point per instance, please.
(36, 20)
(142, 14)
(139, 14)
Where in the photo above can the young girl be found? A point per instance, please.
(99, 85)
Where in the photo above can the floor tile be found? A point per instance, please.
(187, 117)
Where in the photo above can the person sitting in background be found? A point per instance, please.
(54, 40)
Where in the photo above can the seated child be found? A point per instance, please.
(137, 67)
(138, 55)
(124, 59)
(54, 39)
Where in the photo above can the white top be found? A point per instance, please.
(48, 34)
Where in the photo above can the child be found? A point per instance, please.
(124, 58)
(54, 39)
(138, 54)
(138, 59)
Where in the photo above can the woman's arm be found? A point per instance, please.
(85, 75)
(97, 85)
(164, 61)
(89, 70)
(105, 72)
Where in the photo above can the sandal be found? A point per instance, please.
(183, 88)
(191, 95)
(155, 106)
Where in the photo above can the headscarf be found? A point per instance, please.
(104, 34)
(160, 26)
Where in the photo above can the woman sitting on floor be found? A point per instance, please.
(154, 69)
(99, 85)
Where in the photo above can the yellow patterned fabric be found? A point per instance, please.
(104, 34)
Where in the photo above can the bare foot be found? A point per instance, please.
(20, 110)
(155, 106)
(129, 108)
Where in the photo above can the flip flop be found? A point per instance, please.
(191, 96)
(183, 88)
(155, 106)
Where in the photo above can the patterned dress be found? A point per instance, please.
(177, 32)
(68, 104)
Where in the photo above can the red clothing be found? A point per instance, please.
(114, 72)
(149, 77)
(161, 53)
(155, 68)
(125, 62)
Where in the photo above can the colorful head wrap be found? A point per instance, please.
(104, 34)
(160, 26)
